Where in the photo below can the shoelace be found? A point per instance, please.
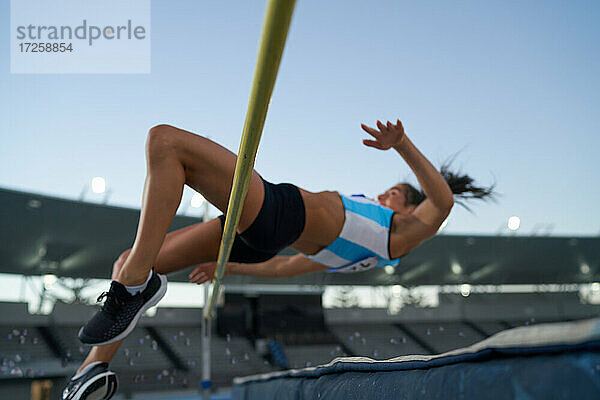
(112, 303)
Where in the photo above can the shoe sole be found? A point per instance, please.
(151, 303)
(109, 393)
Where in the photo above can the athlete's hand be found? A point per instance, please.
(204, 272)
(387, 136)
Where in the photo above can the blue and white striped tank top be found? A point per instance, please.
(364, 240)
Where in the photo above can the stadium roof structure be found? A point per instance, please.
(48, 235)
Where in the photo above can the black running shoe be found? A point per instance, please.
(121, 311)
(96, 384)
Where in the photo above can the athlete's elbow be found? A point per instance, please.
(449, 205)
(446, 205)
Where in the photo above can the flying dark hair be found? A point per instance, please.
(462, 186)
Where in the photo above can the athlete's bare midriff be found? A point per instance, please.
(325, 218)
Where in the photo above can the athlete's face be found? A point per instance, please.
(395, 198)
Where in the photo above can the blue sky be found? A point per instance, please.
(512, 85)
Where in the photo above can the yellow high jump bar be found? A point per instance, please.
(276, 25)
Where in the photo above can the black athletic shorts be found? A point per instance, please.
(279, 223)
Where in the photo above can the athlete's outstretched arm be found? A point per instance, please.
(433, 184)
(429, 215)
(277, 267)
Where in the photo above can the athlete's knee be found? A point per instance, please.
(118, 264)
(161, 140)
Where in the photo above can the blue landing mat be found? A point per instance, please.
(546, 361)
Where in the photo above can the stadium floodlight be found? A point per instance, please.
(98, 185)
(34, 203)
(197, 200)
(514, 223)
(389, 269)
(456, 268)
(584, 268)
(465, 289)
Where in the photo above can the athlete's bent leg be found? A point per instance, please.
(176, 157)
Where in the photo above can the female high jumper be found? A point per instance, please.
(330, 231)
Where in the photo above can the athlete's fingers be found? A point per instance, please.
(204, 267)
(196, 274)
(390, 125)
(399, 125)
(373, 143)
(199, 278)
(381, 126)
(204, 278)
(371, 131)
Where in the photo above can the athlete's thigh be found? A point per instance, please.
(189, 246)
(209, 169)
